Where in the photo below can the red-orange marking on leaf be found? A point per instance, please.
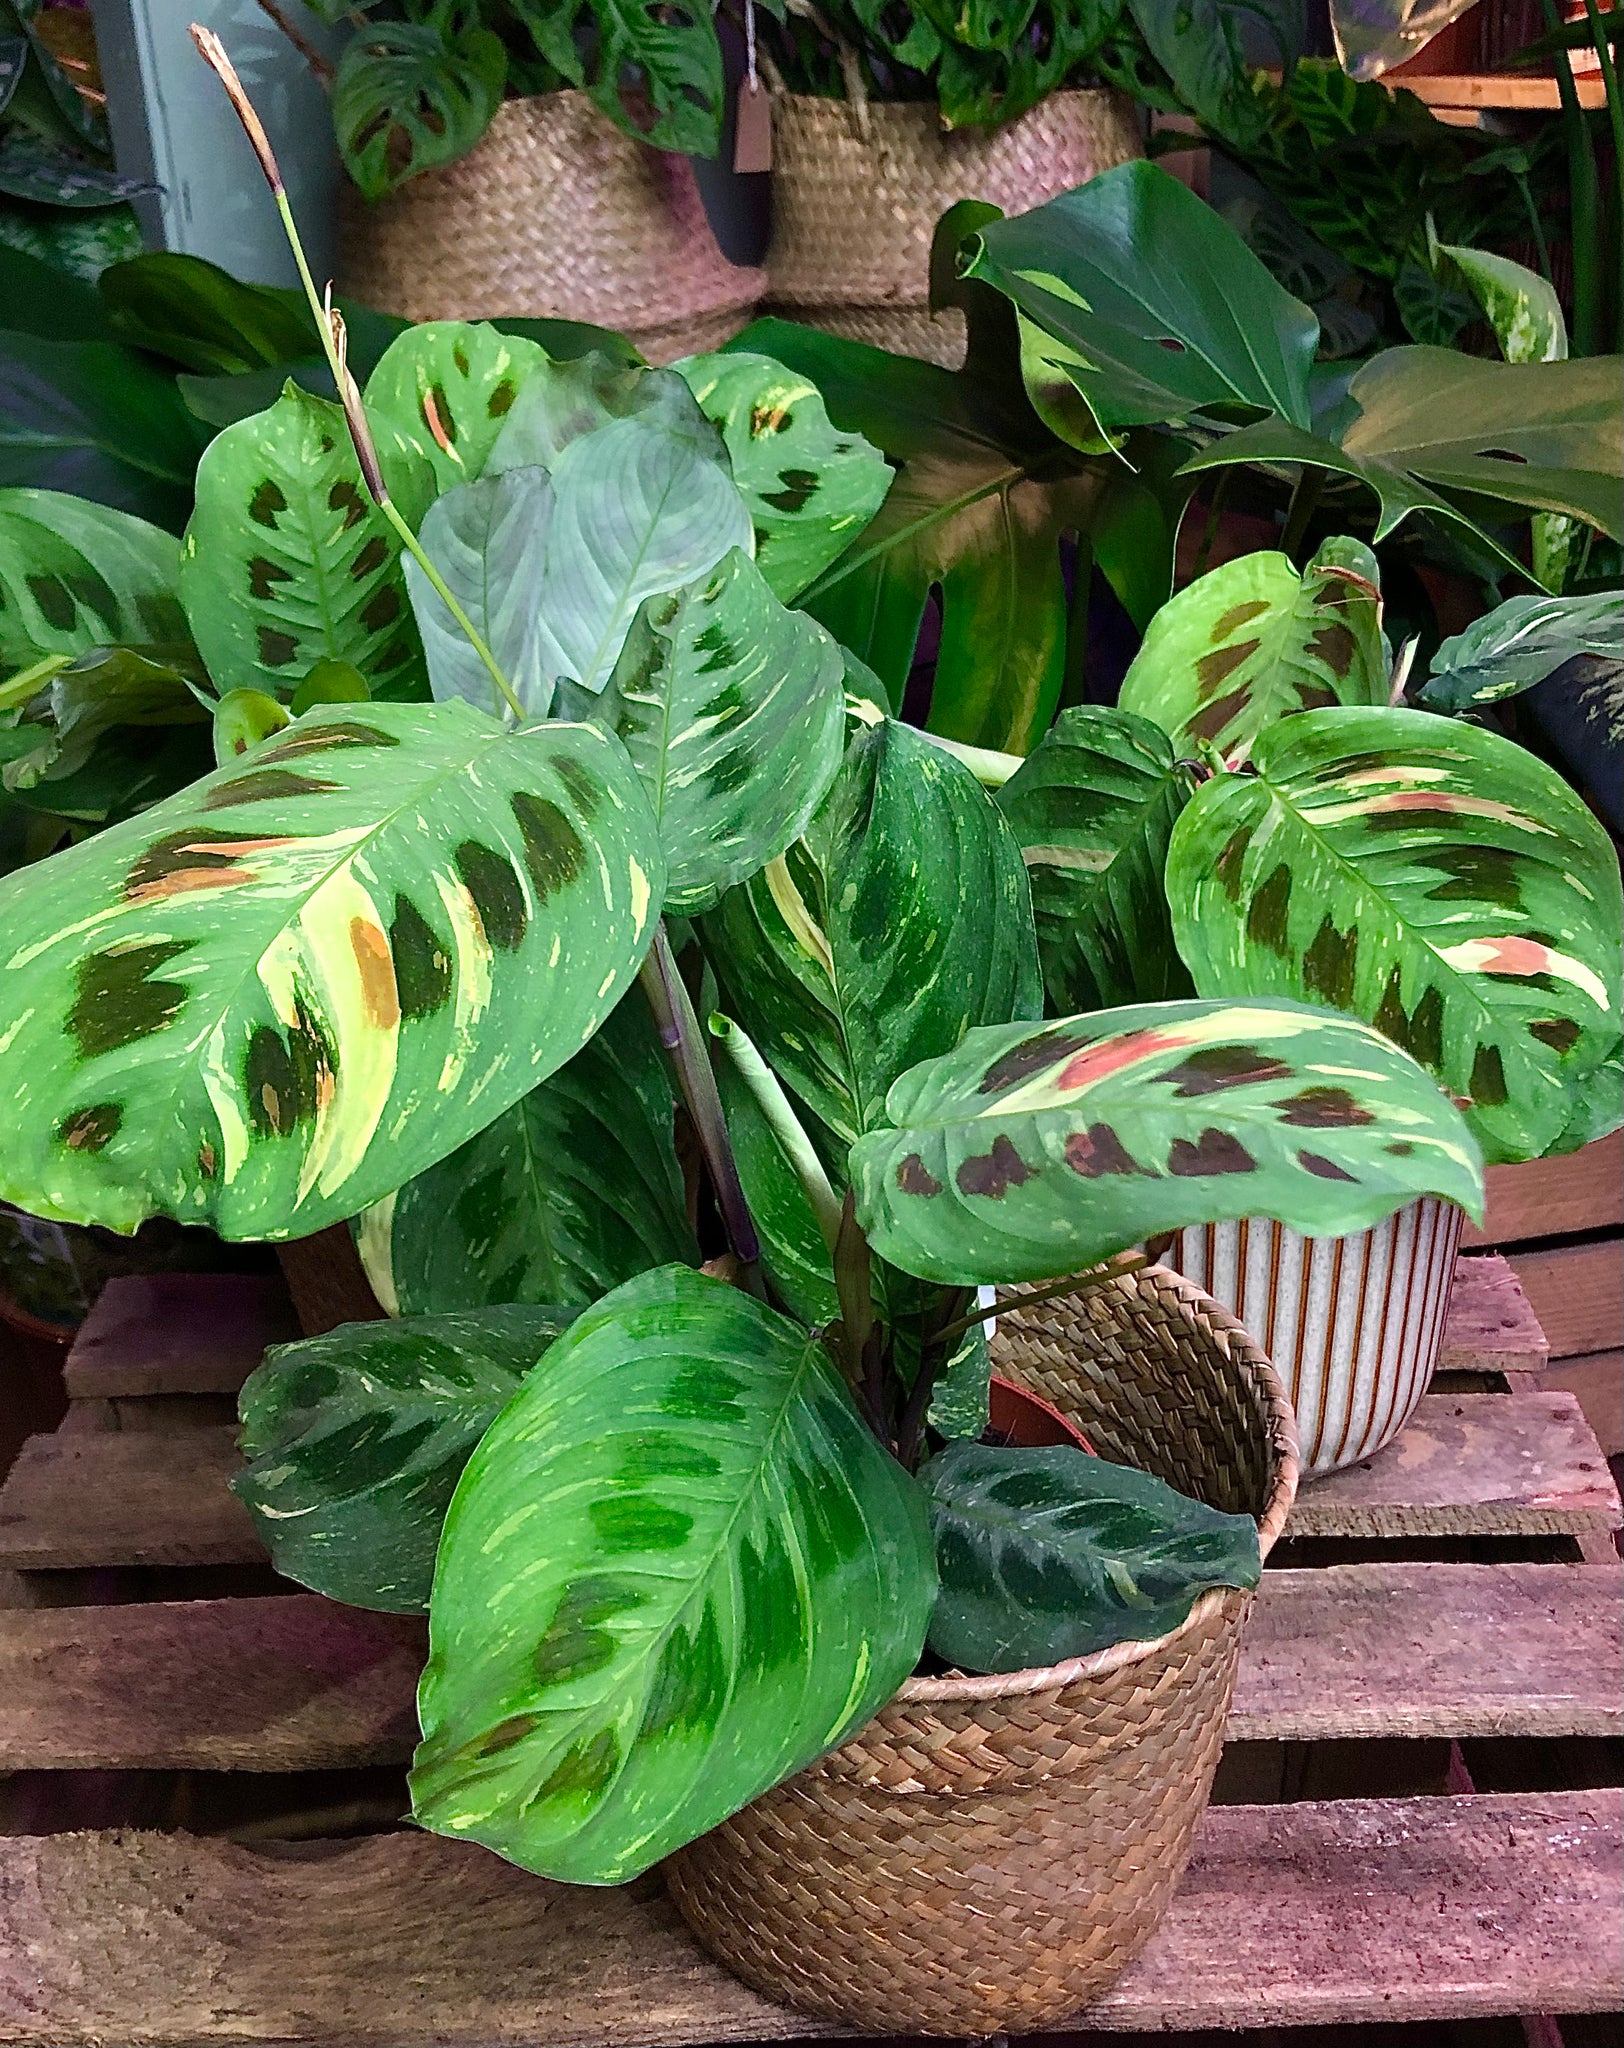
(1098, 1062)
(377, 965)
(431, 415)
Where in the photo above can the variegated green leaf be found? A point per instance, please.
(318, 970)
(733, 710)
(562, 401)
(1521, 306)
(901, 920)
(565, 1195)
(74, 575)
(1026, 1155)
(443, 392)
(287, 562)
(1432, 878)
(1252, 641)
(1519, 644)
(678, 1568)
(1093, 805)
(811, 489)
(356, 1440)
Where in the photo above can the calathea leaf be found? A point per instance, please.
(287, 561)
(562, 401)
(413, 94)
(316, 971)
(902, 919)
(243, 718)
(559, 1199)
(1093, 806)
(75, 575)
(99, 692)
(203, 318)
(1050, 1554)
(733, 710)
(1025, 1155)
(1519, 644)
(655, 69)
(355, 1441)
(1432, 878)
(810, 489)
(33, 171)
(708, 1572)
(444, 391)
(1251, 641)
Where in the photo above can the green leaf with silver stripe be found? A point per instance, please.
(264, 1002)
(677, 1569)
(1428, 876)
(1026, 1155)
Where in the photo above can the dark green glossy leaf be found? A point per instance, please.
(413, 94)
(677, 1569)
(100, 691)
(1519, 644)
(201, 317)
(76, 575)
(1050, 1554)
(41, 299)
(655, 70)
(43, 176)
(355, 1442)
(1210, 49)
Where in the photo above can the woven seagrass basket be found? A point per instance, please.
(555, 214)
(857, 193)
(988, 1854)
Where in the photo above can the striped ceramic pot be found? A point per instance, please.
(1352, 1324)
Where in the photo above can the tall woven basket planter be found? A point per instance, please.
(988, 1854)
(556, 214)
(1353, 1325)
(857, 195)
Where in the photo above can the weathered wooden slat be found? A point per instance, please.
(1596, 1381)
(1489, 1326)
(1472, 1465)
(178, 1333)
(1577, 1294)
(126, 1498)
(1554, 1197)
(1351, 1910)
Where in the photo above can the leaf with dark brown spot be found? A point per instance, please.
(1213, 1152)
(995, 1173)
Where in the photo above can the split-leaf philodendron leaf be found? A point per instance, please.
(1093, 806)
(1028, 1154)
(1050, 1554)
(319, 969)
(1432, 878)
(356, 1440)
(1249, 642)
(74, 575)
(565, 1195)
(412, 94)
(678, 1567)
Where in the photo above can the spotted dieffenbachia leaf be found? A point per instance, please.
(901, 919)
(74, 575)
(1519, 644)
(734, 711)
(1025, 1155)
(1432, 878)
(811, 489)
(316, 971)
(677, 1568)
(444, 391)
(355, 1442)
(287, 562)
(1252, 641)
(1093, 805)
(565, 1195)
(1050, 1554)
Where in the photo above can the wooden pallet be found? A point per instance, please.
(1456, 1904)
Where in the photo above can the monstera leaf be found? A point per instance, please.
(413, 94)
(902, 919)
(565, 1195)
(1027, 1154)
(1093, 806)
(74, 576)
(655, 67)
(734, 711)
(1050, 1554)
(1249, 642)
(677, 1568)
(1210, 49)
(356, 1440)
(287, 561)
(810, 489)
(1432, 878)
(318, 969)
(1519, 644)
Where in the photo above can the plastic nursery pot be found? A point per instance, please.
(1022, 1417)
(1353, 1325)
(989, 1853)
(554, 214)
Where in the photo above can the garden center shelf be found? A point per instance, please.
(1441, 1625)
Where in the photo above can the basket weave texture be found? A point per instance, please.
(853, 214)
(555, 214)
(989, 1853)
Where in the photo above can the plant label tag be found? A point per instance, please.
(753, 129)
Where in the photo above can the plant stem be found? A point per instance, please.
(1538, 227)
(1615, 118)
(768, 1093)
(681, 1036)
(321, 70)
(1215, 513)
(28, 682)
(1305, 499)
(933, 1355)
(1583, 218)
(1077, 1283)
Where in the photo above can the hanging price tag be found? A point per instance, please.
(753, 130)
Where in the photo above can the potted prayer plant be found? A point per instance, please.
(683, 1535)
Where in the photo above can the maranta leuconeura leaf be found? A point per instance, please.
(76, 575)
(287, 562)
(444, 390)
(1428, 876)
(678, 1567)
(1252, 641)
(1026, 1155)
(269, 999)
